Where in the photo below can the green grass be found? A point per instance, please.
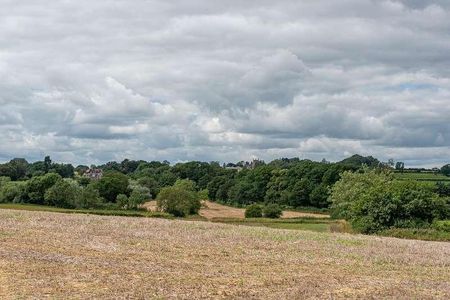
(428, 234)
(102, 212)
(312, 224)
(422, 176)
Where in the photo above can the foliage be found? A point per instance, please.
(254, 211)
(37, 186)
(442, 189)
(203, 194)
(61, 194)
(152, 185)
(446, 170)
(180, 200)
(122, 201)
(138, 196)
(11, 191)
(88, 197)
(358, 161)
(112, 184)
(373, 201)
(272, 211)
(443, 225)
(15, 169)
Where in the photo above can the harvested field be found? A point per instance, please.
(211, 210)
(63, 256)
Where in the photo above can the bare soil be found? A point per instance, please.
(61, 256)
(211, 210)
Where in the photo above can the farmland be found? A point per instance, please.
(421, 176)
(86, 256)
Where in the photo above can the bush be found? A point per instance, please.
(12, 192)
(61, 194)
(37, 187)
(253, 211)
(373, 201)
(112, 184)
(180, 199)
(138, 196)
(443, 225)
(272, 211)
(88, 197)
(122, 200)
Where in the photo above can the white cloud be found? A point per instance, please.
(90, 81)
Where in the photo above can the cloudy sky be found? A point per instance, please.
(91, 81)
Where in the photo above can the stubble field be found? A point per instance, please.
(55, 255)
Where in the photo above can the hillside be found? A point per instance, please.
(86, 256)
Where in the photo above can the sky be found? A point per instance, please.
(92, 81)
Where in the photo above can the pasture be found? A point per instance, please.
(46, 254)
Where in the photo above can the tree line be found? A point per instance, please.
(285, 182)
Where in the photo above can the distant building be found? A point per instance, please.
(244, 165)
(237, 168)
(94, 174)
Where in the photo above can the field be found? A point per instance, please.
(44, 254)
(211, 210)
(102, 212)
(422, 176)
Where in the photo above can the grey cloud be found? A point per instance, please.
(90, 81)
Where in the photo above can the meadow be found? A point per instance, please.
(45, 254)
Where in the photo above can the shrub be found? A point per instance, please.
(443, 225)
(61, 194)
(179, 200)
(253, 211)
(112, 184)
(373, 201)
(272, 211)
(37, 186)
(12, 192)
(122, 200)
(88, 197)
(203, 194)
(138, 196)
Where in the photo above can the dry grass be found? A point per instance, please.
(211, 210)
(63, 256)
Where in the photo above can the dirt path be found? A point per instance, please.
(211, 210)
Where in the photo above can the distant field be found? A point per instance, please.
(422, 176)
(211, 210)
(60, 256)
(313, 224)
(103, 212)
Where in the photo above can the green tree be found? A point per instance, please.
(16, 169)
(446, 170)
(138, 196)
(122, 201)
(272, 211)
(151, 184)
(61, 194)
(180, 199)
(12, 191)
(253, 211)
(319, 196)
(37, 186)
(112, 184)
(88, 197)
(373, 200)
(47, 164)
